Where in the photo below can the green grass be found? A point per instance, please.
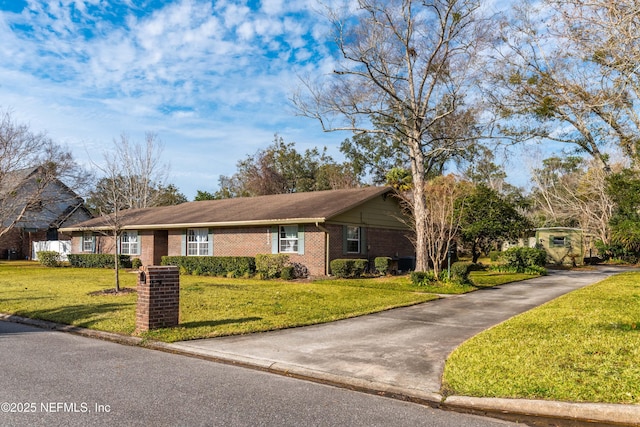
(487, 279)
(208, 306)
(480, 279)
(62, 295)
(584, 346)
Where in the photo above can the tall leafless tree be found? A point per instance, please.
(29, 164)
(405, 67)
(573, 192)
(609, 33)
(567, 71)
(130, 171)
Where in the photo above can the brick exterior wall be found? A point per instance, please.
(158, 298)
(242, 241)
(15, 240)
(379, 243)
(251, 241)
(154, 244)
(389, 243)
(21, 241)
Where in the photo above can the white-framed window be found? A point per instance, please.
(129, 243)
(197, 242)
(557, 241)
(88, 240)
(353, 240)
(288, 238)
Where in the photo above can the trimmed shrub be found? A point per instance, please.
(358, 267)
(423, 278)
(98, 260)
(347, 268)
(460, 271)
(300, 271)
(213, 265)
(49, 258)
(339, 267)
(521, 260)
(382, 265)
(270, 266)
(287, 273)
(136, 263)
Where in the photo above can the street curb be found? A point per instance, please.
(520, 410)
(89, 333)
(592, 413)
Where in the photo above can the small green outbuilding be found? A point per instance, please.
(569, 246)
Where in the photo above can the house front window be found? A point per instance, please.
(87, 242)
(289, 238)
(197, 242)
(353, 240)
(129, 243)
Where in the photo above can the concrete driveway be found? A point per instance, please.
(397, 351)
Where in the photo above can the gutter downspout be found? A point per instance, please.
(326, 244)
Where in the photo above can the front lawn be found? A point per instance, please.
(583, 346)
(209, 306)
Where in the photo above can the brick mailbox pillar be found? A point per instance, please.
(158, 297)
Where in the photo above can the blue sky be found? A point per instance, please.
(212, 79)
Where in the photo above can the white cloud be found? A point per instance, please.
(211, 78)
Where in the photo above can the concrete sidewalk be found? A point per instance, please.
(402, 351)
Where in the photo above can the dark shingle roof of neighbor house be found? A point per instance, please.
(316, 206)
(11, 180)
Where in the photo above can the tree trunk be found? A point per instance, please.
(475, 253)
(117, 262)
(419, 205)
(420, 215)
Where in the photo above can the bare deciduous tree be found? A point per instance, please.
(607, 33)
(405, 69)
(567, 71)
(130, 172)
(444, 196)
(444, 220)
(29, 164)
(573, 192)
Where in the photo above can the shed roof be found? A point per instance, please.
(310, 207)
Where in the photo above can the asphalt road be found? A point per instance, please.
(50, 378)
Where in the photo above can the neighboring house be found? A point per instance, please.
(312, 228)
(34, 208)
(564, 245)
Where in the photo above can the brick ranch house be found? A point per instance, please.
(312, 228)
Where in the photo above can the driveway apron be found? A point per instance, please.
(402, 349)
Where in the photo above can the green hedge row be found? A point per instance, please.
(344, 268)
(213, 265)
(98, 260)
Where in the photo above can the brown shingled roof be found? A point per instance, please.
(316, 206)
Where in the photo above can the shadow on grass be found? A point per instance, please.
(23, 299)
(79, 315)
(213, 323)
